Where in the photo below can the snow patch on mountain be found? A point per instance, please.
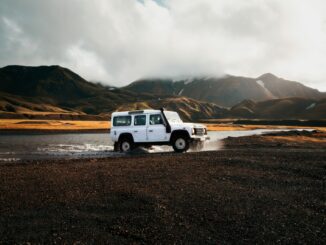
(261, 83)
(190, 80)
(311, 106)
(183, 79)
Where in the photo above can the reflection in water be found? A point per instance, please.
(15, 147)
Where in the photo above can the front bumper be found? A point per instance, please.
(200, 138)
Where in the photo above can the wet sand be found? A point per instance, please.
(258, 189)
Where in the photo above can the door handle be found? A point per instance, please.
(135, 131)
(150, 130)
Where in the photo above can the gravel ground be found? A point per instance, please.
(242, 195)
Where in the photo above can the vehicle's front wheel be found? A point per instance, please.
(180, 144)
(126, 145)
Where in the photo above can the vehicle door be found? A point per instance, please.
(140, 128)
(156, 131)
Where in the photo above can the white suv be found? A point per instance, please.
(155, 127)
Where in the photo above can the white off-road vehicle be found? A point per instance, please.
(130, 129)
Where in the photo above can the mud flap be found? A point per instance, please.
(116, 146)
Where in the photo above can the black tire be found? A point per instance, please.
(180, 143)
(126, 145)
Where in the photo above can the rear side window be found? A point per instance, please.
(140, 120)
(122, 121)
(155, 119)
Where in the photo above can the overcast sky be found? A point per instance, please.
(119, 41)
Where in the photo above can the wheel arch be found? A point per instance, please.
(126, 135)
(179, 132)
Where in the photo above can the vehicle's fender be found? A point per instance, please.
(127, 135)
(183, 126)
(179, 132)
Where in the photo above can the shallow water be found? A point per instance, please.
(17, 147)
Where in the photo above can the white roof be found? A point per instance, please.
(124, 113)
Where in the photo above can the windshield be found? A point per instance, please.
(172, 117)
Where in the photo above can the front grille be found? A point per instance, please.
(199, 131)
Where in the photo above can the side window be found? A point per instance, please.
(140, 120)
(122, 121)
(155, 119)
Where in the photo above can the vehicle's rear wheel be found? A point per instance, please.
(180, 144)
(126, 145)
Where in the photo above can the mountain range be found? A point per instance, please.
(228, 90)
(57, 92)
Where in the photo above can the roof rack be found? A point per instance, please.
(135, 112)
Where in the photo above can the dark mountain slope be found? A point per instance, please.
(63, 88)
(52, 82)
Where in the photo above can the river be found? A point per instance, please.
(18, 147)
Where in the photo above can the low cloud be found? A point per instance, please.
(116, 41)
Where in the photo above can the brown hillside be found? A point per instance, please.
(188, 109)
(288, 108)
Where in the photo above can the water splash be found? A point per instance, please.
(211, 145)
(74, 148)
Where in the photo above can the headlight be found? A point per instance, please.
(193, 131)
(205, 130)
